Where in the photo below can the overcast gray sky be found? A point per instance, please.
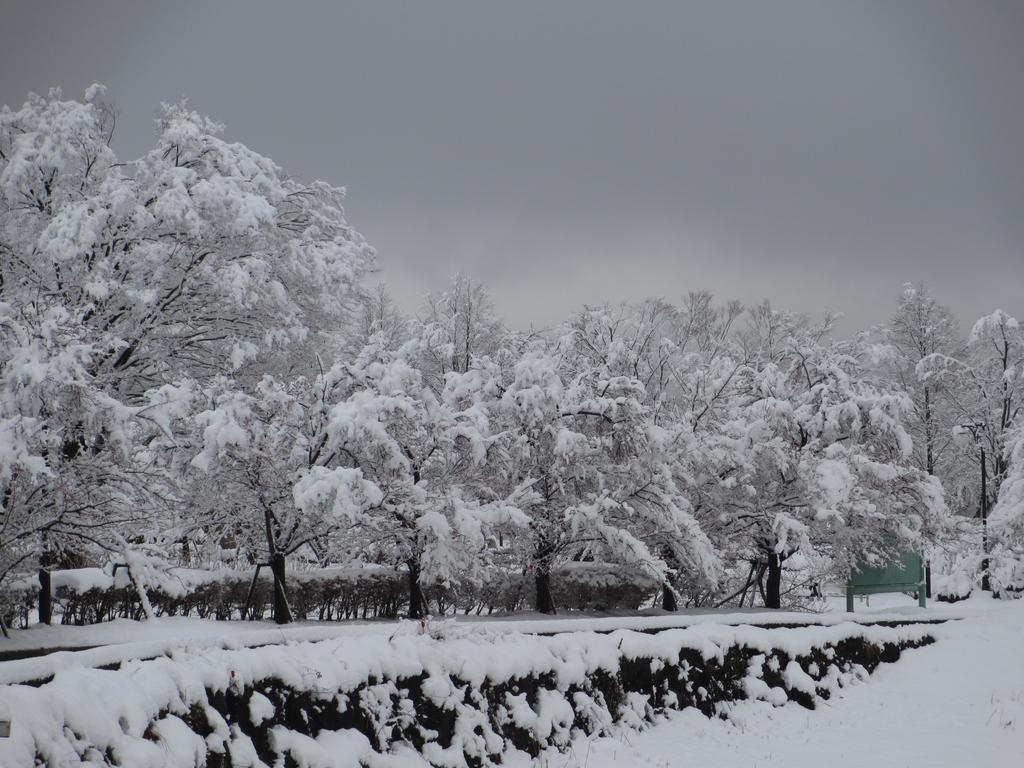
(816, 153)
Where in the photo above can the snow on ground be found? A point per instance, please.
(956, 704)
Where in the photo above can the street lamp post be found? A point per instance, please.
(976, 433)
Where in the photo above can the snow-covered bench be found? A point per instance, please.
(905, 574)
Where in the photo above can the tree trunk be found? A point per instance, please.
(47, 560)
(668, 598)
(282, 611)
(186, 552)
(986, 585)
(773, 585)
(45, 597)
(542, 555)
(929, 438)
(417, 605)
(542, 581)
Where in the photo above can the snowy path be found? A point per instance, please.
(958, 704)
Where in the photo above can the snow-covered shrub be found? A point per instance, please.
(952, 587)
(1007, 574)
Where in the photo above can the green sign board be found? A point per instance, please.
(903, 574)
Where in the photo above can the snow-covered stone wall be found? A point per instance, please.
(463, 699)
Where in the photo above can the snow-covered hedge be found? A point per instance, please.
(466, 699)
(92, 595)
(578, 586)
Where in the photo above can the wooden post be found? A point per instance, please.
(45, 597)
(849, 597)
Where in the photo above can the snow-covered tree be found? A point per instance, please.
(681, 355)
(76, 469)
(457, 326)
(815, 459)
(261, 467)
(424, 453)
(378, 319)
(986, 396)
(1008, 514)
(186, 262)
(922, 327)
(125, 280)
(598, 468)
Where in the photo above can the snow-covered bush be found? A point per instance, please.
(952, 587)
(956, 572)
(1007, 574)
